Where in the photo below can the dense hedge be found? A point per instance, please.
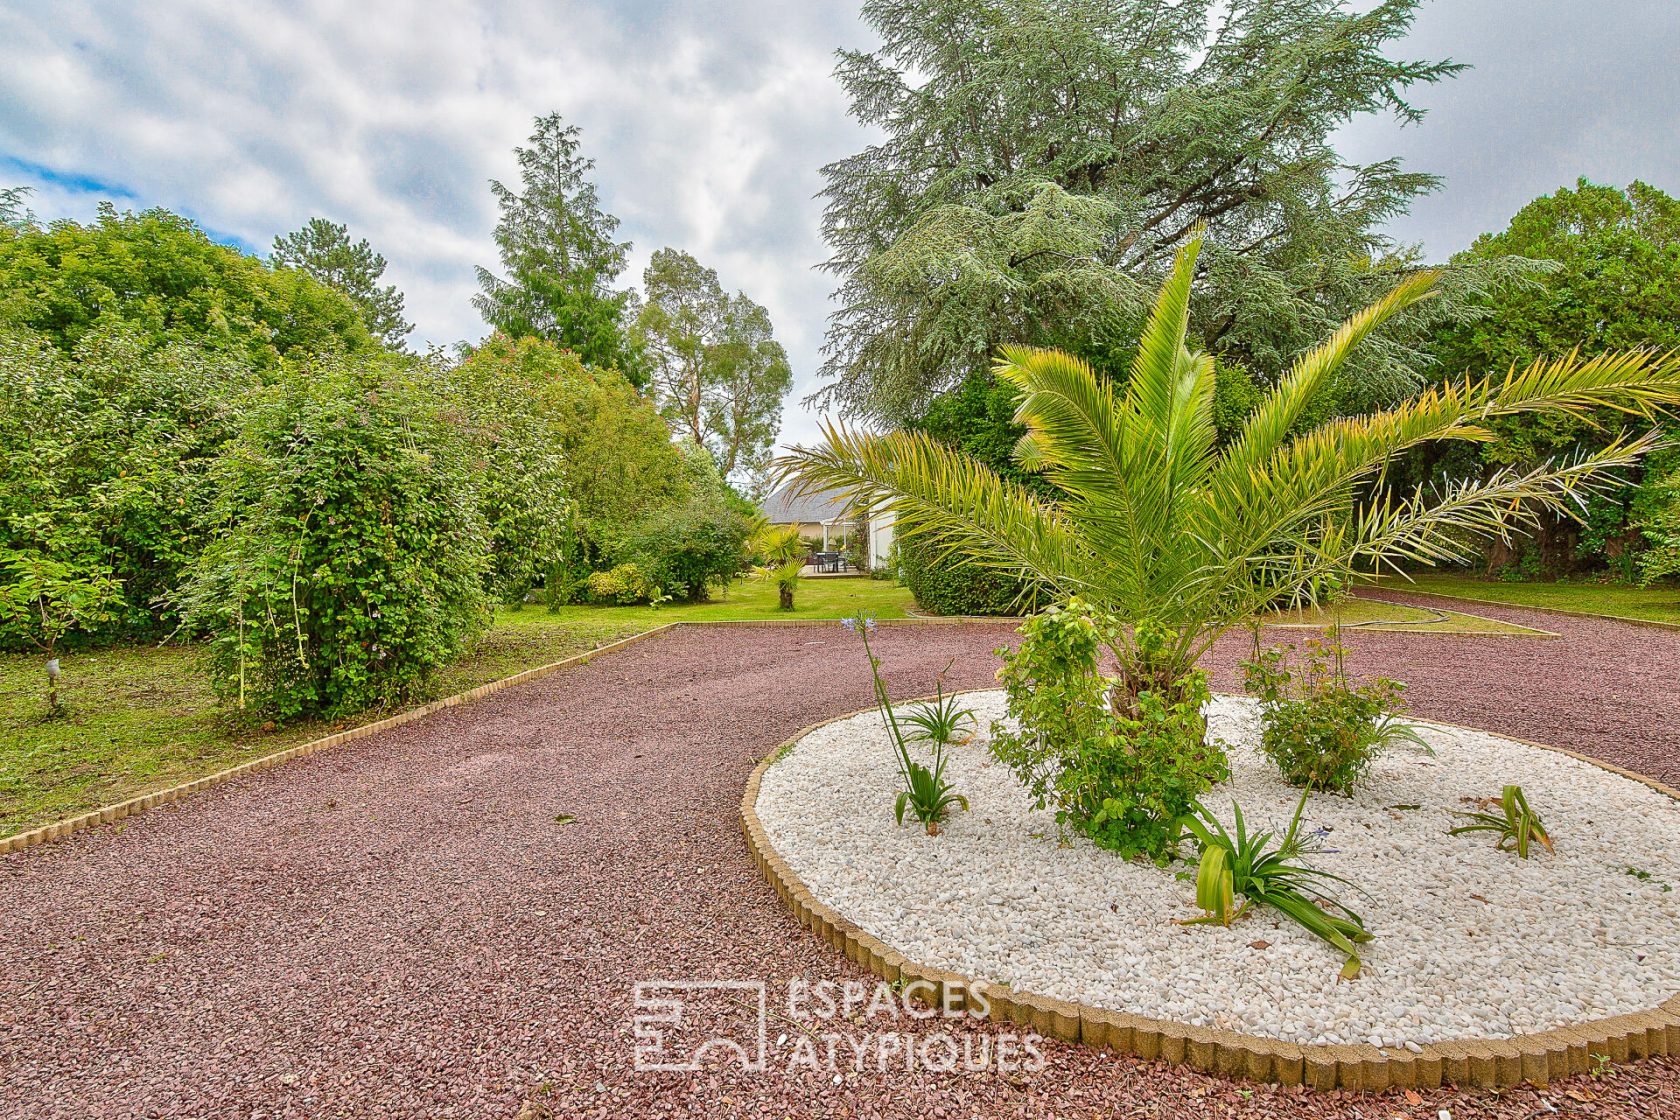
(952, 586)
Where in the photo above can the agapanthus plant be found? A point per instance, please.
(927, 794)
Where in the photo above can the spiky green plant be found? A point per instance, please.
(940, 721)
(1518, 827)
(1151, 521)
(1238, 862)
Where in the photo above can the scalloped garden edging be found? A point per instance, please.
(1492, 1063)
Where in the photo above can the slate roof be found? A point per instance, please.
(787, 505)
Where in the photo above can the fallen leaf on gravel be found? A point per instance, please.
(565, 818)
(1259, 944)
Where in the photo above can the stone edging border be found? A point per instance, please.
(1479, 1063)
(108, 813)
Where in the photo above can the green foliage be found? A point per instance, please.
(160, 274)
(46, 597)
(1244, 864)
(559, 256)
(1613, 284)
(1236, 397)
(1322, 731)
(351, 564)
(782, 556)
(689, 547)
(570, 455)
(106, 452)
(927, 795)
(1127, 779)
(1149, 519)
(622, 585)
(323, 250)
(1655, 513)
(940, 721)
(718, 374)
(951, 585)
(1517, 826)
(14, 211)
(1040, 163)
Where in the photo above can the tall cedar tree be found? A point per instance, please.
(1042, 160)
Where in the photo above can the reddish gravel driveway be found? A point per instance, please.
(402, 928)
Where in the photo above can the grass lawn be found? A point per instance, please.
(1654, 604)
(1369, 614)
(144, 718)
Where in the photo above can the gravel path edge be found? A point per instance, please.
(1487, 1064)
(109, 814)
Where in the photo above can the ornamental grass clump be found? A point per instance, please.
(1126, 774)
(1238, 863)
(927, 794)
(1321, 730)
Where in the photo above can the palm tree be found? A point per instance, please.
(1155, 523)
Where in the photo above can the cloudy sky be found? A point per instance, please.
(708, 120)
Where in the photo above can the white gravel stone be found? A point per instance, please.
(1470, 941)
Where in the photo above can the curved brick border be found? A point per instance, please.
(109, 813)
(1481, 1063)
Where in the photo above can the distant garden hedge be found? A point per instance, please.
(952, 586)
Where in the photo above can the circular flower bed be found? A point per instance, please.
(1470, 941)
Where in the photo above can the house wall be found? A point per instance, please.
(881, 534)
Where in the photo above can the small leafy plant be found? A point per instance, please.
(941, 721)
(1322, 731)
(1123, 767)
(927, 795)
(1518, 826)
(1242, 863)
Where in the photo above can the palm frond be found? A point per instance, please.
(958, 503)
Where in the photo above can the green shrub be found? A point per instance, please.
(954, 586)
(1321, 731)
(1128, 780)
(687, 548)
(622, 585)
(351, 563)
(106, 452)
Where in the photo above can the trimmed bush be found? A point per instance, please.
(950, 585)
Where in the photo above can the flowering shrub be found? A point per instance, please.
(1127, 780)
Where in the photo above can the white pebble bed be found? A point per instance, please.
(1470, 941)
